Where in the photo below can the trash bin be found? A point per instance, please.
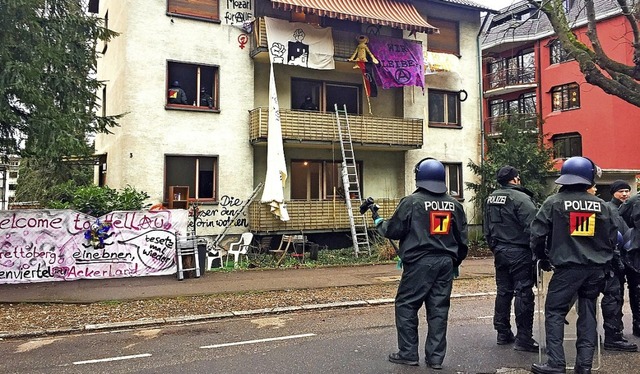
(202, 258)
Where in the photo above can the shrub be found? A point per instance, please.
(98, 201)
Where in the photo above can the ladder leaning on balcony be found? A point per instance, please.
(351, 183)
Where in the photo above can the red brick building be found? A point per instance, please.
(526, 72)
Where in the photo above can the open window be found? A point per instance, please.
(200, 84)
(325, 94)
(199, 173)
(318, 180)
(455, 186)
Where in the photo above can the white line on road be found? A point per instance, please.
(112, 359)
(258, 341)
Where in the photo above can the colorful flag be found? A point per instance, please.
(401, 62)
(273, 192)
(299, 44)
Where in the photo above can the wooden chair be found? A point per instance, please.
(283, 248)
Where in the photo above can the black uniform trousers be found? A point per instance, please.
(427, 281)
(633, 283)
(514, 278)
(565, 284)
(612, 303)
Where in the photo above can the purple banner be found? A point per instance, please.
(401, 62)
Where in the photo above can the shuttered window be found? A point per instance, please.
(448, 40)
(207, 9)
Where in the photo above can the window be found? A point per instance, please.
(454, 179)
(13, 174)
(567, 145)
(12, 187)
(197, 172)
(518, 69)
(318, 180)
(567, 5)
(204, 9)
(102, 170)
(565, 97)
(325, 94)
(104, 101)
(444, 108)
(106, 26)
(557, 53)
(523, 108)
(198, 82)
(448, 40)
(94, 6)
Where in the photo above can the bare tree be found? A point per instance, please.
(612, 76)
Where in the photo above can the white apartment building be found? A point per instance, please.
(218, 149)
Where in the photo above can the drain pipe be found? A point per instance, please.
(481, 106)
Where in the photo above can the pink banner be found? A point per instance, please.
(401, 62)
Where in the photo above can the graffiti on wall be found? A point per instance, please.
(51, 245)
(212, 219)
(236, 12)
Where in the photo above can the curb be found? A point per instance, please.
(206, 317)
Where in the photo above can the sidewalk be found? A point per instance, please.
(137, 288)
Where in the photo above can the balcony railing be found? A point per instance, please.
(344, 43)
(311, 216)
(516, 78)
(315, 127)
(528, 122)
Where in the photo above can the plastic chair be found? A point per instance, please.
(241, 247)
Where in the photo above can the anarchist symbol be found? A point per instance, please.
(402, 76)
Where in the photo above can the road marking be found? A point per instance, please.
(258, 341)
(112, 359)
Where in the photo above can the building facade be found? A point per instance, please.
(527, 73)
(211, 150)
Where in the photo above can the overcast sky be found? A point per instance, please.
(495, 4)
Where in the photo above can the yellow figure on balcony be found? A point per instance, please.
(362, 51)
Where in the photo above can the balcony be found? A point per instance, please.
(320, 128)
(344, 43)
(528, 121)
(505, 81)
(311, 216)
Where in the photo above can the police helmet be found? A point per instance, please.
(578, 170)
(175, 84)
(430, 175)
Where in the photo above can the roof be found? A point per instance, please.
(522, 22)
(468, 4)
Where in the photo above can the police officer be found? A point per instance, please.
(575, 232)
(630, 212)
(176, 94)
(613, 294)
(432, 229)
(507, 216)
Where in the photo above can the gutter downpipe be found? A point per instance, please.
(481, 106)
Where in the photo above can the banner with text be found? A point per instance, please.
(401, 62)
(57, 245)
(239, 13)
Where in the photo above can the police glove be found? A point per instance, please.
(456, 272)
(545, 265)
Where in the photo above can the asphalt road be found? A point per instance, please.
(349, 341)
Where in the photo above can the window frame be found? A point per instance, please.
(561, 97)
(178, 70)
(319, 91)
(448, 166)
(442, 39)
(330, 177)
(445, 110)
(565, 141)
(194, 184)
(557, 54)
(180, 9)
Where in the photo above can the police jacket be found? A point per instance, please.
(428, 224)
(630, 212)
(177, 96)
(574, 228)
(614, 204)
(507, 216)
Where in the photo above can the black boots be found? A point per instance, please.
(547, 369)
(396, 359)
(505, 337)
(616, 342)
(526, 345)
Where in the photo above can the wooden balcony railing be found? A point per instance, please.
(524, 76)
(314, 127)
(528, 122)
(344, 43)
(311, 216)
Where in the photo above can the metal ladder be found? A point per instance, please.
(187, 246)
(351, 184)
